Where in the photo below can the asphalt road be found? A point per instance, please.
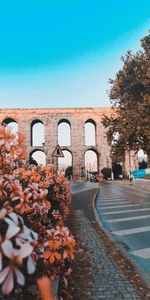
(79, 187)
(125, 213)
(82, 193)
(138, 183)
(144, 184)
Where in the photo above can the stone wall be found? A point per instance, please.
(77, 118)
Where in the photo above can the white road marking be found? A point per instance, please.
(112, 202)
(106, 195)
(125, 211)
(111, 198)
(132, 230)
(128, 219)
(144, 253)
(118, 206)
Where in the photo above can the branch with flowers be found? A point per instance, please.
(34, 204)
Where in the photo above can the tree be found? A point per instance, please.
(117, 170)
(142, 164)
(106, 173)
(128, 126)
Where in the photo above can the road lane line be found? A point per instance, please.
(144, 253)
(118, 206)
(125, 211)
(128, 219)
(131, 231)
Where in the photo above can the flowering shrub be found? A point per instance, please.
(32, 200)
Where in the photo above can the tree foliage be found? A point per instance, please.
(129, 125)
(142, 164)
(106, 173)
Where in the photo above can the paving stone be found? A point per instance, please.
(107, 280)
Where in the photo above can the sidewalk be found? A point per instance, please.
(96, 274)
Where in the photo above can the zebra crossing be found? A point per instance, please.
(131, 231)
(119, 206)
(144, 253)
(128, 221)
(126, 211)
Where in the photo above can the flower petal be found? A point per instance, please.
(14, 217)
(25, 250)
(30, 265)
(7, 248)
(8, 284)
(20, 277)
(52, 258)
(3, 274)
(65, 254)
(3, 213)
(0, 261)
(12, 229)
(57, 255)
(46, 254)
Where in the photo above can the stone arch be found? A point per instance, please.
(90, 132)
(64, 132)
(37, 157)
(11, 123)
(91, 162)
(66, 161)
(37, 133)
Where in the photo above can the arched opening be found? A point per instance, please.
(91, 163)
(90, 133)
(37, 157)
(64, 133)
(65, 164)
(12, 124)
(142, 159)
(37, 133)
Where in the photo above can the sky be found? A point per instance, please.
(61, 53)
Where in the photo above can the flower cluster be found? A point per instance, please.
(32, 199)
(17, 244)
(12, 150)
(44, 192)
(59, 249)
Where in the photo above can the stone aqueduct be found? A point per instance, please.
(77, 118)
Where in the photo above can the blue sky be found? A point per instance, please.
(61, 53)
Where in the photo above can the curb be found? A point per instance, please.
(144, 277)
